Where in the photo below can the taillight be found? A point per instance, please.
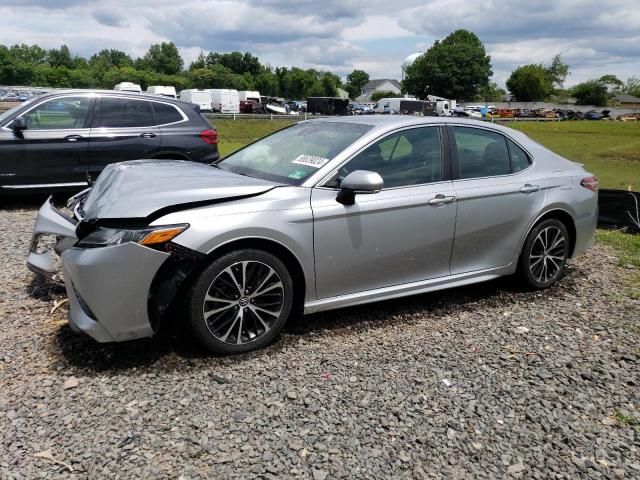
(209, 136)
(590, 183)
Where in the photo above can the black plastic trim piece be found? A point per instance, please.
(172, 275)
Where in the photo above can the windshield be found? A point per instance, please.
(293, 154)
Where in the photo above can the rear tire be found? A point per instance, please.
(240, 302)
(544, 254)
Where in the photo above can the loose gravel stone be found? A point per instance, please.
(447, 384)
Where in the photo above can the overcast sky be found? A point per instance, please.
(594, 36)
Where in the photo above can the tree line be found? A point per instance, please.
(456, 67)
(161, 65)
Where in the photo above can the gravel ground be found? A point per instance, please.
(477, 382)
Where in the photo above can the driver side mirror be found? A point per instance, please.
(19, 124)
(360, 181)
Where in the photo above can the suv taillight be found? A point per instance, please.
(590, 183)
(209, 136)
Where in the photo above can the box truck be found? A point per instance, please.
(165, 91)
(202, 98)
(224, 100)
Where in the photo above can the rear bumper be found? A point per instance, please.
(585, 233)
(108, 290)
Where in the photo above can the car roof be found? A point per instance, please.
(138, 95)
(391, 122)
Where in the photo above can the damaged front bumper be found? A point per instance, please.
(118, 292)
(50, 222)
(108, 290)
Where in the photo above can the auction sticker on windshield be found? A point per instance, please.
(310, 160)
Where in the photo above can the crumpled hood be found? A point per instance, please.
(138, 188)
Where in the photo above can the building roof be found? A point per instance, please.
(626, 98)
(373, 84)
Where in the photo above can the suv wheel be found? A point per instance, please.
(544, 254)
(240, 302)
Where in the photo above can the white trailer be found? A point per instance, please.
(164, 90)
(444, 106)
(128, 87)
(202, 98)
(224, 100)
(244, 95)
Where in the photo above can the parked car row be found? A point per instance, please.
(490, 111)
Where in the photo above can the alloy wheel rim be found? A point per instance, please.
(242, 302)
(548, 254)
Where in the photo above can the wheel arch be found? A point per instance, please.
(559, 214)
(277, 249)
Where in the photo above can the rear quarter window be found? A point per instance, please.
(165, 113)
(519, 158)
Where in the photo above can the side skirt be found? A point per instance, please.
(407, 289)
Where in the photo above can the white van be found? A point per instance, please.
(165, 91)
(224, 100)
(244, 95)
(202, 98)
(128, 87)
(388, 105)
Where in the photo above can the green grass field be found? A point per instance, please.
(609, 150)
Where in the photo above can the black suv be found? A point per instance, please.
(55, 141)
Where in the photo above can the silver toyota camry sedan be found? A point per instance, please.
(321, 215)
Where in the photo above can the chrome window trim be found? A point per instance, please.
(43, 185)
(334, 170)
(185, 118)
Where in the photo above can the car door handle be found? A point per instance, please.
(530, 188)
(73, 138)
(440, 200)
(148, 135)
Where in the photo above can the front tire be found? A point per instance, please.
(240, 302)
(544, 255)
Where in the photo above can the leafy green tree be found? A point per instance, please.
(199, 62)
(457, 67)
(558, 71)
(612, 83)
(163, 58)
(375, 96)
(530, 83)
(266, 83)
(106, 59)
(237, 62)
(355, 81)
(632, 87)
(31, 54)
(591, 92)
(60, 57)
(491, 93)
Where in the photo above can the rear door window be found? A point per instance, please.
(166, 113)
(122, 113)
(481, 153)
